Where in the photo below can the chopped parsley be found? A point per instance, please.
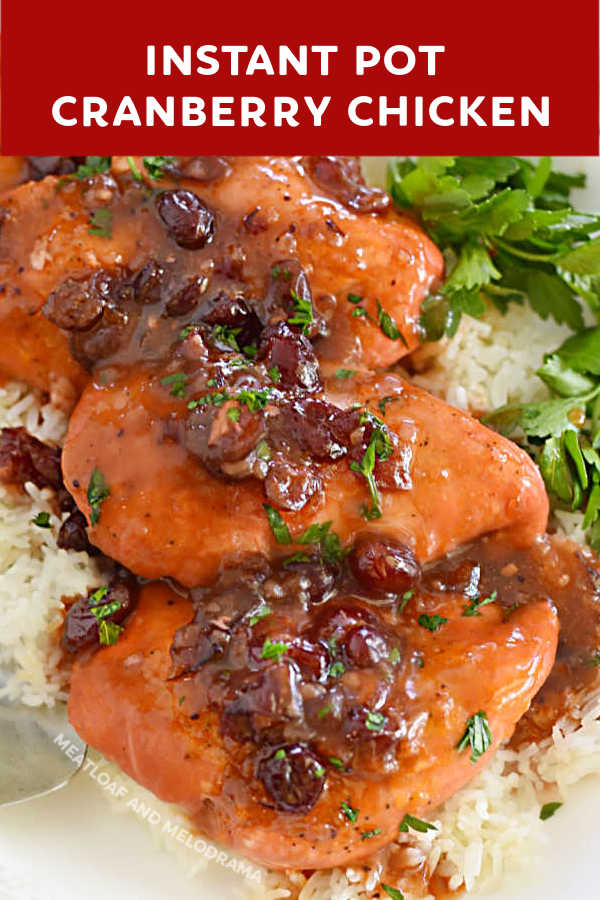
(279, 272)
(303, 312)
(431, 623)
(275, 374)
(280, 754)
(156, 165)
(388, 325)
(336, 763)
(383, 404)
(97, 492)
(101, 222)
(177, 382)
(354, 299)
(263, 451)
(343, 374)
(375, 721)
(186, 331)
(395, 656)
(280, 530)
(234, 414)
(369, 834)
(93, 165)
(222, 334)
(336, 670)
(328, 541)
(254, 399)
(477, 736)
(318, 771)
(350, 813)
(416, 824)
(394, 893)
(108, 632)
(324, 711)
(406, 596)
(42, 520)
(548, 810)
(134, 169)
(379, 447)
(474, 605)
(273, 649)
(261, 613)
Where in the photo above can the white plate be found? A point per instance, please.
(69, 846)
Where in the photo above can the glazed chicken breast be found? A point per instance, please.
(213, 228)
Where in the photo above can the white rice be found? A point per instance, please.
(488, 831)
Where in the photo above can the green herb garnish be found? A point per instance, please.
(350, 813)
(42, 520)
(507, 230)
(97, 492)
(369, 834)
(280, 530)
(548, 810)
(93, 165)
(474, 605)
(156, 165)
(303, 312)
(177, 382)
(477, 735)
(431, 623)
(375, 721)
(343, 374)
(394, 893)
(101, 222)
(416, 824)
(273, 649)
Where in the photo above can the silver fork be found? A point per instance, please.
(39, 751)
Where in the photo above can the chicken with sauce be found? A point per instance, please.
(347, 554)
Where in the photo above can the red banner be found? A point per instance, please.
(456, 78)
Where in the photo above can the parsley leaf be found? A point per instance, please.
(273, 649)
(394, 893)
(156, 165)
(342, 374)
(303, 314)
(177, 382)
(278, 527)
(101, 222)
(93, 165)
(431, 623)
(97, 492)
(473, 607)
(477, 735)
(548, 810)
(507, 230)
(416, 824)
(42, 520)
(350, 813)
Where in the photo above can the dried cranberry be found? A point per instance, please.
(341, 177)
(25, 458)
(384, 564)
(316, 427)
(292, 354)
(102, 341)
(293, 777)
(73, 535)
(230, 442)
(190, 223)
(147, 284)
(74, 305)
(185, 300)
(290, 486)
(41, 166)
(81, 626)
(202, 168)
(232, 311)
(364, 647)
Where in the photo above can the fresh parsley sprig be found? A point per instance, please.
(507, 230)
(562, 434)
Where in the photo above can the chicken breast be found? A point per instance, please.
(301, 715)
(214, 226)
(187, 486)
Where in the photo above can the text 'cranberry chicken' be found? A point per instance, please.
(328, 595)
